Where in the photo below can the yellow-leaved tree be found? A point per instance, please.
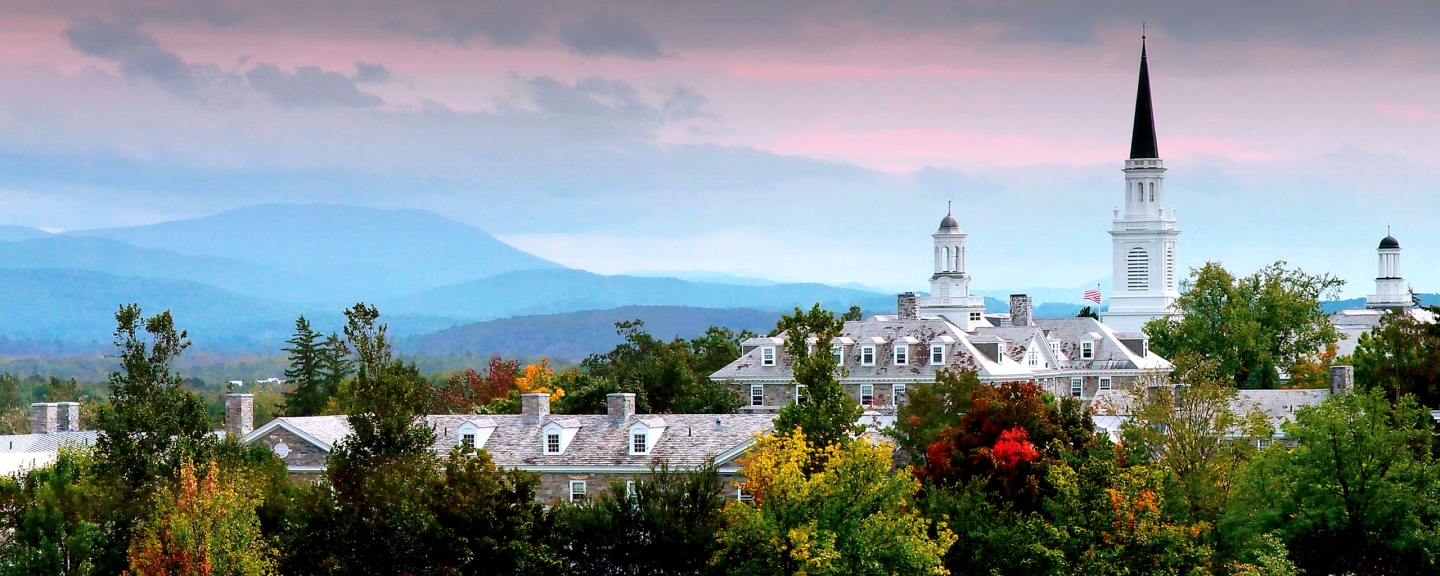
(203, 524)
(854, 515)
(538, 379)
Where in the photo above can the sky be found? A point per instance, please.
(805, 141)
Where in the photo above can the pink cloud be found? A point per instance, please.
(1413, 113)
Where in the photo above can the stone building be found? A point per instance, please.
(53, 425)
(575, 455)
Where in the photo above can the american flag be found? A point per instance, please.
(1093, 295)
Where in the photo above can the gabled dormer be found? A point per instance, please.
(556, 436)
(644, 435)
(474, 433)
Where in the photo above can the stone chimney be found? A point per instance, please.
(239, 415)
(67, 415)
(1342, 380)
(1021, 310)
(43, 419)
(533, 407)
(907, 305)
(620, 407)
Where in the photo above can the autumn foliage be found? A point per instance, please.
(204, 525)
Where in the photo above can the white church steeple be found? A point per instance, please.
(1143, 238)
(1389, 286)
(950, 285)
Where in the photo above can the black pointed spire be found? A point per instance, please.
(1142, 140)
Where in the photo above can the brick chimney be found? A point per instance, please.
(239, 415)
(67, 415)
(533, 407)
(1021, 310)
(43, 418)
(1342, 380)
(620, 407)
(907, 305)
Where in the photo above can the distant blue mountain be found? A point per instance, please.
(575, 335)
(12, 233)
(563, 290)
(359, 253)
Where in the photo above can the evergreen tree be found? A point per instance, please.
(335, 366)
(824, 412)
(1401, 356)
(307, 396)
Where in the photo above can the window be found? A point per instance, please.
(757, 395)
(1262, 443)
(552, 443)
(637, 442)
(799, 393)
(630, 488)
(1031, 357)
(1137, 269)
(1140, 188)
(1170, 266)
(1104, 382)
(1087, 350)
(1077, 386)
(742, 495)
(867, 356)
(937, 354)
(902, 354)
(897, 392)
(767, 356)
(1152, 191)
(467, 440)
(577, 490)
(838, 351)
(1055, 348)
(867, 394)
(975, 316)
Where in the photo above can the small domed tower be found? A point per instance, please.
(950, 285)
(1389, 286)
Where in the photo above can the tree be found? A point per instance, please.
(1253, 326)
(1401, 356)
(1087, 312)
(487, 520)
(151, 424)
(824, 412)
(14, 414)
(1357, 494)
(203, 525)
(335, 367)
(853, 315)
(668, 526)
(308, 395)
(667, 377)
(932, 408)
(50, 517)
(856, 516)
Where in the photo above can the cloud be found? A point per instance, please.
(370, 73)
(606, 34)
(138, 54)
(503, 25)
(311, 87)
(684, 104)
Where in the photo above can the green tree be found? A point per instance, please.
(1254, 326)
(1087, 312)
(933, 407)
(1401, 356)
(385, 397)
(855, 516)
(50, 517)
(150, 423)
(1357, 494)
(667, 377)
(824, 412)
(307, 395)
(203, 525)
(14, 413)
(667, 527)
(335, 368)
(854, 314)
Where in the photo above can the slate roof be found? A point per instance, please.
(687, 439)
(1279, 405)
(31, 443)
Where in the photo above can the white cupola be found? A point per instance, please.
(1389, 286)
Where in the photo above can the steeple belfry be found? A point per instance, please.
(1143, 238)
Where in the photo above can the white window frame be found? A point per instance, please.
(1105, 383)
(838, 351)
(976, 316)
(553, 447)
(630, 488)
(757, 394)
(1087, 350)
(902, 354)
(799, 391)
(467, 440)
(1032, 358)
(867, 394)
(767, 356)
(867, 355)
(639, 443)
(896, 391)
(743, 496)
(937, 354)
(1077, 387)
(576, 496)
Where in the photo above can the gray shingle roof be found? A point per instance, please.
(25, 443)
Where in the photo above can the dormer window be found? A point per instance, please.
(644, 435)
(552, 443)
(867, 356)
(767, 356)
(557, 435)
(902, 354)
(937, 354)
(468, 440)
(1087, 350)
(474, 433)
(838, 351)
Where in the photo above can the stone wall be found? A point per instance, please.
(299, 452)
(555, 486)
